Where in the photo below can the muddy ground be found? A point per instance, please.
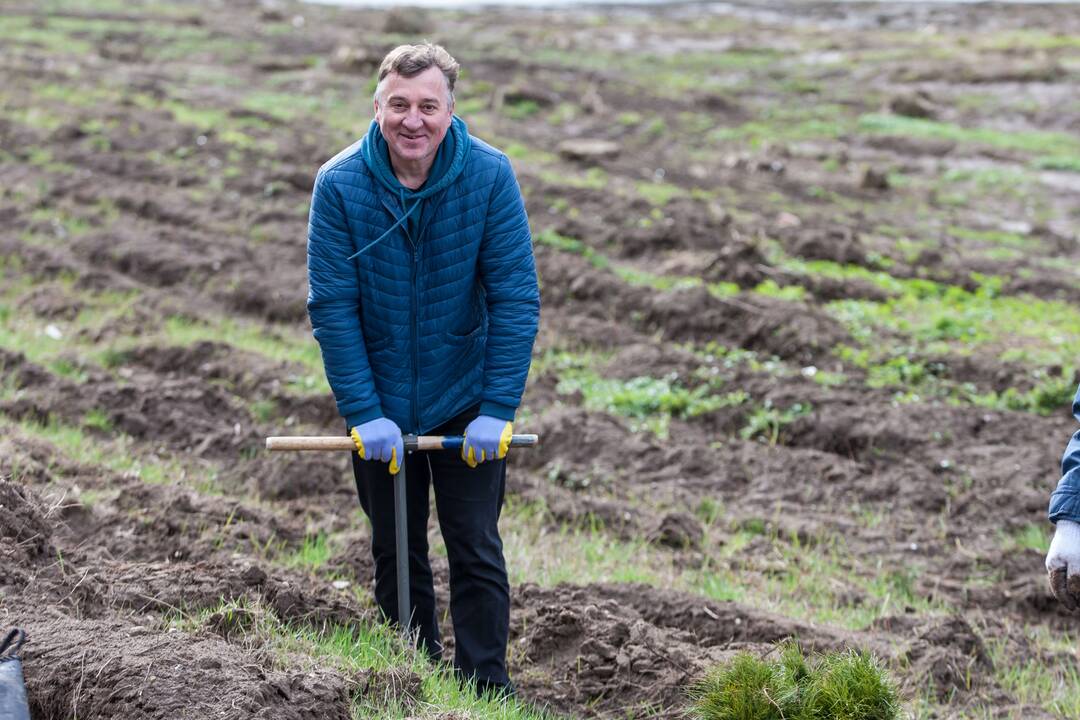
(829, 258)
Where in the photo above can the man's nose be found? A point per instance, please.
(413, 120)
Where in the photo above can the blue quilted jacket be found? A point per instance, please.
(1065, 502)
(419, 326)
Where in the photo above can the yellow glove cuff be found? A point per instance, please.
(504, 440)
(468, 452)
(358, 442)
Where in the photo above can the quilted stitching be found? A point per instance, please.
(478, 300)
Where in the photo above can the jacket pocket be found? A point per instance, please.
(459, 339)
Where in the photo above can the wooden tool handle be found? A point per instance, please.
(300, 442)
(412, 442)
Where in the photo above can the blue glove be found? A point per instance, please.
(486, 438)
(379, 439)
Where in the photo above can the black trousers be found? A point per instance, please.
(468, 502)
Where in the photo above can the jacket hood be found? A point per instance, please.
(449, 160)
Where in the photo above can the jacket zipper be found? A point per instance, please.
(415, 341)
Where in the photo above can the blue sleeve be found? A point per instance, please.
(334, 305)
(508, 273)
(1065, 502)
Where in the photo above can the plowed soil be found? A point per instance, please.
(156, 162)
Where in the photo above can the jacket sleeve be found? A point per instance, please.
(508, 273)
(334, 305)
(1065, 502)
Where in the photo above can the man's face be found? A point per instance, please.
(414, 114)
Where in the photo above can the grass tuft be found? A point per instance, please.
(847, 685)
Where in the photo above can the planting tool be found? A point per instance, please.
(13, 705)
(413, 443)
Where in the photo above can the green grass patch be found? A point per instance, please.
(1038, 143)
(768, 422)
(650, 402)
(1066, 163)
(520, 151)
(663, 283)
(1019, 40)
(363, 646)
(1035, 679)
(592, 179)
(820, 581)
(789, 123)
(990, 180)
(849, 685)
(521, 109)
(1020, 328)
(991, 237)
(314, 553)
(792, 293)
(117, 453)
(663, 74)
(1030, 537)
(1052, 394)
(659, 194)
(633, 275)
(597, 556)
(49, 34)
(52, 344)
(281, 345)
(99, 420)
(572, 245)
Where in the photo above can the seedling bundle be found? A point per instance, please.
(837, 686)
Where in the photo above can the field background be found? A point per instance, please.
(809, 338)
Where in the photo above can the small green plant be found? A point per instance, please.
(652, 401)
(1030, 537)
(264, 410)
(98, 419)
(847, 685)
(767, 421)
(708, 510)
(659, 194)
(313, 554)
(521, 109)
(747, 688)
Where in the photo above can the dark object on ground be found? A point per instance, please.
(679, 530)
(917, 105)
(589, 150)
(12, 689)
(874, 179)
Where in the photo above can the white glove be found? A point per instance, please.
(1063, 564)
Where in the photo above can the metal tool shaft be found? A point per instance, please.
(401, 533)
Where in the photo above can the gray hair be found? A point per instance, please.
(411, 60)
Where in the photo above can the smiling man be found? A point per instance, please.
(424, 300)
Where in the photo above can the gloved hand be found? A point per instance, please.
(379, 439)
(1063, 564)
(486, 438)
